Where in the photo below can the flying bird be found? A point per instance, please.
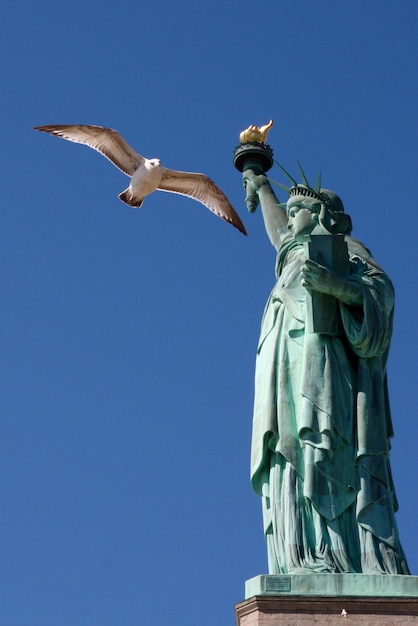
(147, 175)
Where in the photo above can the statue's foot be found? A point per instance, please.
(306, 570)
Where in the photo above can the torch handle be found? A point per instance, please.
(251, 197)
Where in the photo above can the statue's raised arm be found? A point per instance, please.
(254, 157)
(275, 217)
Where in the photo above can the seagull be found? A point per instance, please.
(147, 175)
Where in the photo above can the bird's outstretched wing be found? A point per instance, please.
(105, 140)
(204, 190)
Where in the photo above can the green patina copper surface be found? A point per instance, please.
(365, 585)
(322, 422)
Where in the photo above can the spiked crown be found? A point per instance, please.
(333, 203)
(329, 198)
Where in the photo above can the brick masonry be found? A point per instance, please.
(301, 611)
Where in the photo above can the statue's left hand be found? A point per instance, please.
(316, 277)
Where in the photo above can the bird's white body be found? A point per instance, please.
(147, 175)
(146, 179)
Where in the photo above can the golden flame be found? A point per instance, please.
(255, 133)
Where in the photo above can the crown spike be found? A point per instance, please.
(292, 180)
(302, 173)
(317, 186)
(275, 182)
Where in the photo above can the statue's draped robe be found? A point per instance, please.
(322, 425)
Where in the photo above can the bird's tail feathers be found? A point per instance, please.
(128, 198)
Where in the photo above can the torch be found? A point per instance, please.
(253, 154)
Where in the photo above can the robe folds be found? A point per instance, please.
(322, 427)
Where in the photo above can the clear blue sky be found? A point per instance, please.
(128, 337)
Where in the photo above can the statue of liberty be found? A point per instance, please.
(322, 423)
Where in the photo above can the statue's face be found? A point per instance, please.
(303, 215)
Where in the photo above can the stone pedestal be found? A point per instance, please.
(329, 599)
(303, 611)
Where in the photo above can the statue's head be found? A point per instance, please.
(314, 209)
(308, 209)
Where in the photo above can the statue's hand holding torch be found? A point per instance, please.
(252, 184)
